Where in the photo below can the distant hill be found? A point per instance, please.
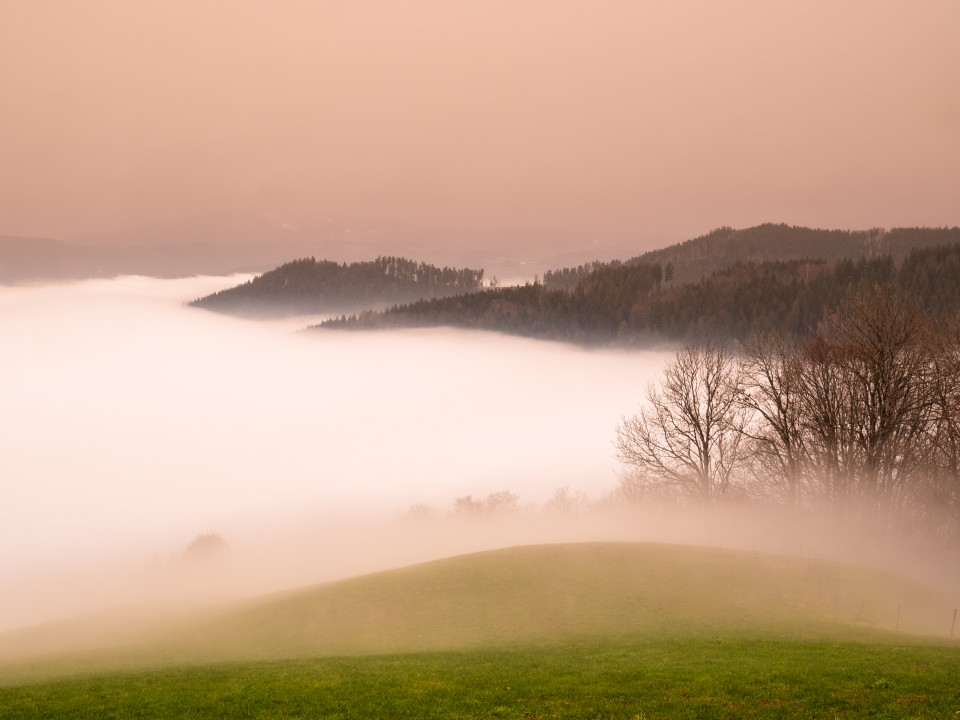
(310, 286)
(719, 249)
(256, 242)
(642, 302)
(25, 259)
(516, 597)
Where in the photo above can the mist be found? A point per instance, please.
(132, 423)
(514, 136)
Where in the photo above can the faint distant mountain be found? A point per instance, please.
(183, 251)
(28, 259)
(310, 286)
(258, 244)
(40, 258)
(724, 247)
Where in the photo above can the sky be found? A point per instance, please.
(622, 121)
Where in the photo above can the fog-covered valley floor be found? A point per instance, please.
(131, 423)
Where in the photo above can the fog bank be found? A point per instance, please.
(132, 423)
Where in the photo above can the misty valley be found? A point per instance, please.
(138, 423)
(256, 489)
(479, 360)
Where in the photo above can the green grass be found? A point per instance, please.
(676, 679)
(594, 630)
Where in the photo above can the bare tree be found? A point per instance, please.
(206, 547)
(502, 503)
(942, 475)
(566, 502)
(864, 417)
(827, 423)
(689, 435)
(467, 506)
(498, 503)
(771, 377)
(888, 361)
(421, 512)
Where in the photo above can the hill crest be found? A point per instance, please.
(527, 596)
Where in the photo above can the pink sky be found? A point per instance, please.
(631, 120)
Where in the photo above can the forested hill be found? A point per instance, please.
(724, 247)
(633, 303)
(309, 286)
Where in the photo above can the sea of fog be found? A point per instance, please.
(130, 423)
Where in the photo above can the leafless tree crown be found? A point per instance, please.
(861, 416)
(689, 434)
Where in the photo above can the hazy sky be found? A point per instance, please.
(653, 121)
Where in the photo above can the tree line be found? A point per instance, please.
(862, 417)
(309, 285)
(636, 303)
(564, 503)
(723, 247)
(591, 313)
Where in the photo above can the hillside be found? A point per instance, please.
(309, 286)
(637, 303)
(522, 596)
(724, 247)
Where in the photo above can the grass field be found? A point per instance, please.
(576, 631)
(691, 678)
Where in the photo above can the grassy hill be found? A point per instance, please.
(553, 593)
(544, 595)
(576, 631)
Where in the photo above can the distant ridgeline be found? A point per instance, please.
(310, 286)
(695, 259)
(748, 289)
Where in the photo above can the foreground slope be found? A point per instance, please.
(521, 597)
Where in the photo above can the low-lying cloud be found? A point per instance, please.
(132, 423)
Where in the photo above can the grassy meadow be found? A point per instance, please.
(595, 630)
